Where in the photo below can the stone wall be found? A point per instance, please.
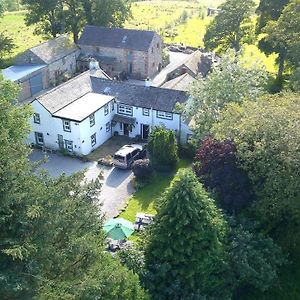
(155, 56)
(144, 63)
(65, 66)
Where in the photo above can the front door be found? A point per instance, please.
(130, 68)
(145, 131)
(126, 129)
(60, 141)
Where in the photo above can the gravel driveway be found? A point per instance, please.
(116, 187)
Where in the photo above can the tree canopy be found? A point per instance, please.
(217, 166)
(282, 37)
(55, 16)
(266, 134)
(231, 26)
(162, 147)
(185, 257)
(230, 82)
(269, 10)
(51, 239)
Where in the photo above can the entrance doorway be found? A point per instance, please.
(130, 68)
(145, 131)
(60, 141)
(126, 129)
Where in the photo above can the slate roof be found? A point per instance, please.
(139, 40)
(53, 50)
(130, 94)
(180, 83)
(135, 95)
(68, 92)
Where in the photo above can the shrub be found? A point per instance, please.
(163, 149)
(217, 167)
(142, 168)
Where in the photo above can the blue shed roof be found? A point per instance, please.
(17, 72)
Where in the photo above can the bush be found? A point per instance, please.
(163, 149)
(142, 168)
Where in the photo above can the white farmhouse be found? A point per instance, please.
(84, 112)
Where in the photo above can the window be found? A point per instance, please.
(69, 145)
(93, 139)
(63, 60)
(153, 65)
(112, 106)
(146, 112)
(36, 118)
(152, 49)
(164, 115)
(107, 126)
(39, 138)
(67, 125)
(157, 45)
(98, 49)
(92, 120)
(106, 109)
(125, 109)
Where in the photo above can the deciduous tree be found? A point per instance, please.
(231, 26)
(230, 82)
(266, 134)
(51, 238)
(282, 37)
(217, 166)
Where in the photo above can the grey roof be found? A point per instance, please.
(180, 83)
(68, 92)
(135, 95)
(55, 49)
(139, 40)
(17, 72)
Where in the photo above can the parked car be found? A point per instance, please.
(126, 155)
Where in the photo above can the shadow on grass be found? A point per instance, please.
(144, 199)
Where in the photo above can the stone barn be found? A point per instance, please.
(138, 53)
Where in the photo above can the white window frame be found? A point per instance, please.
(107, 126)
(146, 112)
(66, 125)
(112, 106)
(69, 145)
(164, 115)
(106, 110)
(93, 139)
(36, 118)
(92, 120)
(124, 109)
(39, 138)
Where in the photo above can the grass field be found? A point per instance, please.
(14, 25)
(177, 21)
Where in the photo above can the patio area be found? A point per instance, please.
(109, 147)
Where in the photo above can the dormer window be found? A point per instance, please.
(124, 40)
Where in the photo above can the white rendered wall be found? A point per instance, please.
(86, 131)
(151, 120)
(51, 127)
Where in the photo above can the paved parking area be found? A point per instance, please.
(116, 187)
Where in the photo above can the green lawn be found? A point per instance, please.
(143, 200)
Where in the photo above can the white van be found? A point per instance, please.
(125, 156)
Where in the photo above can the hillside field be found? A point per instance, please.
(176, 21)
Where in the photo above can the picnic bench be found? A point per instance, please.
(142, 220)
